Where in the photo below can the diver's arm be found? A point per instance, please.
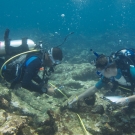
(74, 99)
(92, 90)
(131, 98)
(29, 74)
(126, 100)
(88, 92)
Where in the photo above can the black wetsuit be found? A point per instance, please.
(30, 73)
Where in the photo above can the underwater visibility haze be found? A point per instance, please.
(102, 25)
(87, 18)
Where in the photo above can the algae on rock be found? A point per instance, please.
(25, 113)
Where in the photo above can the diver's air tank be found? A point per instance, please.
(16, 46)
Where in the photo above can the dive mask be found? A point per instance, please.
(105, 66)
(55, 62)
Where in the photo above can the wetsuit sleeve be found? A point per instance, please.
(29, 74)
(100, 84)
(132, 72)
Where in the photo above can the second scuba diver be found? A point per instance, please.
(120, 69)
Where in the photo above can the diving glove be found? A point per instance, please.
(44, 90)
(72, 100)
(123, 101)
(44, 87)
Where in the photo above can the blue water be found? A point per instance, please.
(87, 18)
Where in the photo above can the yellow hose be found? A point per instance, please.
(124, 88)
(13, 58)
(86, 132)
(58, 90)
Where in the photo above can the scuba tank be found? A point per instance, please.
(16, 46)
(13, 47)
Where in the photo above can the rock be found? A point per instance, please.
(98, 109)
(74, 77)
(90, 100)
(5, 93)
(49, 126)
(12, 125)
(24, 112)
(4, 103)
(3, 116)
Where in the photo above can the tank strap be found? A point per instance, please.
(30, 60)
(7, 41)
(24, 44)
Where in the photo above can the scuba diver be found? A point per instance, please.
(119, 68)
(31, 67)
(23, 68)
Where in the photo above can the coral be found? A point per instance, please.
(4, 103)
(83, 74)
(12, 125)
(98, 109)
(48, 127)
(90, 100)
(3, 116)
(74, 85)
(25, 112)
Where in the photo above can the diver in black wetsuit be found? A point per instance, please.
(28, 68)
(31, 67)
